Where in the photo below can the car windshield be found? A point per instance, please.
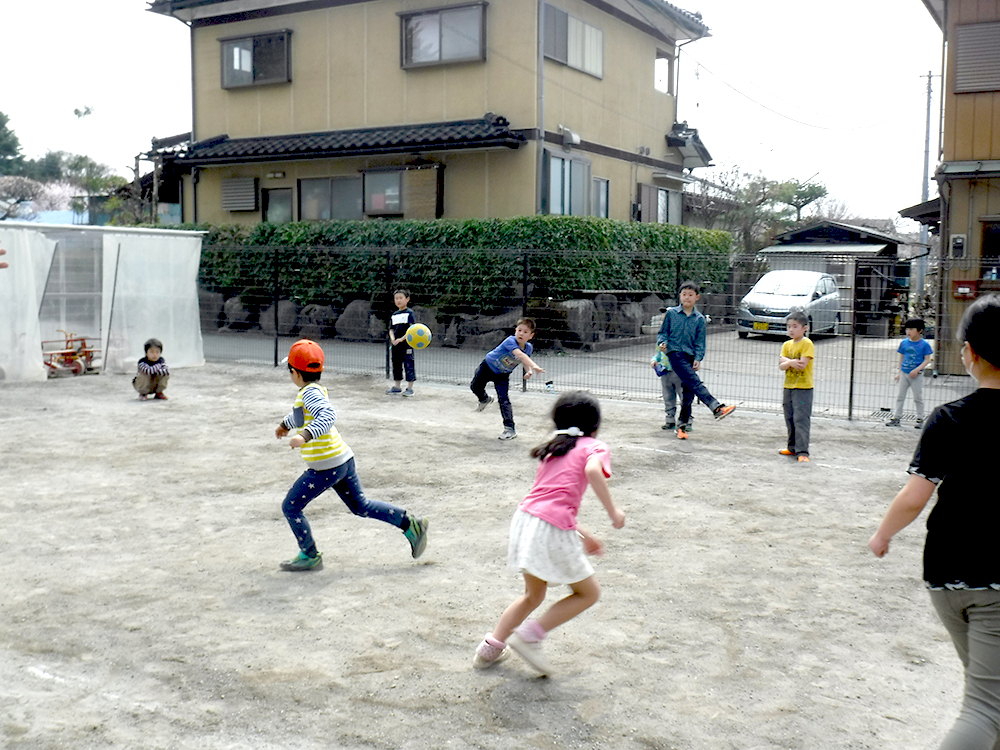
(787, 285)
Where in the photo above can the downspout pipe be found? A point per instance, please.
(540, 90)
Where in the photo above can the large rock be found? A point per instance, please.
(211, 307)
(428, 316)
(237, 316)
(581, 319)
(485, 341)
(486, 323)
(354, 323)
(287, 318)
(605, 305)
(627, 320)
(651, 305)
(317, 321)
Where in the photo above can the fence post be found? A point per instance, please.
(854, 335)
(274, 299)
(524, 298)
(388, 286)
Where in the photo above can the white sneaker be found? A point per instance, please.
(483, 404)
(507, 434)
(530, 652)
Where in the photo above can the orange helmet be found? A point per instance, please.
(306, 356)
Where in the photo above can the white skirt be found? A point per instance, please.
(545, 551)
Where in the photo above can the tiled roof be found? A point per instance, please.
(490, 131)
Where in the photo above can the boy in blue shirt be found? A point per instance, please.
(914, 355)
(682, 337)
(497, 367)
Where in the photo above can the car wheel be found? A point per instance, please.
(742, 334)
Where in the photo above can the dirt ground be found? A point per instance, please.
(144, 608)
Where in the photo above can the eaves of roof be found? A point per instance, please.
(490, 131)
(685, 19)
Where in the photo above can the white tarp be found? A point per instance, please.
(119, 287)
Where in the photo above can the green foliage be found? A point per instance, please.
(479, 264)
(11, 160)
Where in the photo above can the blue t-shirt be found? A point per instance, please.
(502, 360)
(913, 353)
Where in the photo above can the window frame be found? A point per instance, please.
(343, 179)
(286, 34)
(406, 16)
(567, 191)
(600, 188)
(266, 194)
(383, 212)
(558, 45)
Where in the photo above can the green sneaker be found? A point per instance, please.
(416, 535)
(302, 561)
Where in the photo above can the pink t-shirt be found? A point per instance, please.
(560, 483)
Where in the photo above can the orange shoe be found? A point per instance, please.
(803, 459)
(724, 411)
(681, 434)
(786, 452)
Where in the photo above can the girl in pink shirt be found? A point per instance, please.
(546, 545)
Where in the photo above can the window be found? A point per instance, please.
(383, 194)
(277, 204)
(659, 205)
(600, 192)
(256, 60)
(664, 72)
(329, 198)
(569, 182)
(443, 35)
(977, 57)
(572, 42)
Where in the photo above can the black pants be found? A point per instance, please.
(501, 381)
(692, 385)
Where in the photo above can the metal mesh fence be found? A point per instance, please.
(601, 340)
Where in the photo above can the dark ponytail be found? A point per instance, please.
(579, 410)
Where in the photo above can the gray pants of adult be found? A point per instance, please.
(673, 391)
(798, 405)
(972, 619)
(906, 383)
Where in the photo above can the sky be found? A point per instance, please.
(792, 89)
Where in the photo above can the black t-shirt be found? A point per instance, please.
(958, 451)
(400, 320)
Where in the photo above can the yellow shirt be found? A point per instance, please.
(797, 350)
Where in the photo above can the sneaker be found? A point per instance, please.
(416, 535)
(160, 396)
(487, 655)
(723, 411)
(143, 396)
(507, 434)
(786, 452)
(892, 423)
(919, 424)
(483, 404)
(682, 433)
(408, 392)
(393, 391)
(530, 651)
(669, 425)
(302, 561)
(803, 459)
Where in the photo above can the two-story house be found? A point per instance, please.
(968, 177)
(353, 109)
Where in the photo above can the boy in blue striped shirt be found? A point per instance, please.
(330, 461)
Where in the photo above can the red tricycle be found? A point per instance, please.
(72, 355)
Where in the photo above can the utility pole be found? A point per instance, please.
(920, 272)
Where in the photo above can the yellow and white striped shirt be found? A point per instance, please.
(313, 411)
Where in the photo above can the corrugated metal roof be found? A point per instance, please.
(490, 131)
(833, 248)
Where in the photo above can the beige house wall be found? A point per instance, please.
(346, 74)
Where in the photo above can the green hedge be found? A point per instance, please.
(472, 262)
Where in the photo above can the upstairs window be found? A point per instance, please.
(977, 57)
(443, 35)
(257, 60)
(573, 43)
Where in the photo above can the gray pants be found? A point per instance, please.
(148, 384)
(972, 619)
(798, 405)
(907, 383)
(672, 389)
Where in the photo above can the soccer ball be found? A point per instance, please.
(418, 336)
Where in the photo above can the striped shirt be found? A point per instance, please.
(159, 367)
(314, 412)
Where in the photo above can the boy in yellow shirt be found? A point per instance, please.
(796, 360)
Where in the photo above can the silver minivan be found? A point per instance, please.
(777, 293)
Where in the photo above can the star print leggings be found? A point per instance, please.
(344, 480)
